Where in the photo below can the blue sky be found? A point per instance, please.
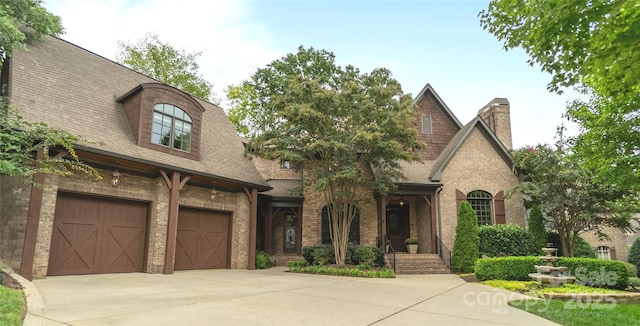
(428, 41)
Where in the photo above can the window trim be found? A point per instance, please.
(159, 109)
(603, 252)
(355, 223)
(482, 216)
(430, 128)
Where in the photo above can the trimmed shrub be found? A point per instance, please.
(263, 261)
(632, 270)
(536, 229)
(356, 255)
(324, 255)
(582, 250)
(634, 255)
(297, 263)
(611, 274)
(506, 268)
(465, 247)
(505, 240)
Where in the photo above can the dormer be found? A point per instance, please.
(164, 119)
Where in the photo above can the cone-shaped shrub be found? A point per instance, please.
(466, 246)
(634, 254)
(536, 228)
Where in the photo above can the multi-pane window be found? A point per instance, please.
(354, 230)
(604, 252)
(286, 165)
(481, 202)
(290, 223)
(171, 127)
(426, 124)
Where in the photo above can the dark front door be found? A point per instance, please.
(398, 225)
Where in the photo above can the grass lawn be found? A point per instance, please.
(12, 306)
(603, 310)
(581, 313)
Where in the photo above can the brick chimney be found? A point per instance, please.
(497, 116)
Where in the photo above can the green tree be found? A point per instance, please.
(634, 254)
(169, 65)
(591, 46)
(19, 140)
(22, 21)
(536, 228)
(568, 196)
(335, 123)
(466, 246)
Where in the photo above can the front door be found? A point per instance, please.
(398, 225)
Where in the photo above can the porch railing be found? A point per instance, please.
(389, 251)
(444, 253)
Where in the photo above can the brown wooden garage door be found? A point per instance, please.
(202, 240)
(94, 235)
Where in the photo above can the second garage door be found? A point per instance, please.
(202, 240)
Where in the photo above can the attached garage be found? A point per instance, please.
(94, 235)
(203, 239)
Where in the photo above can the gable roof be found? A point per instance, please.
(459, 139)
(428, 90)
(75, 90)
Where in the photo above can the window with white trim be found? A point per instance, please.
(603, 252)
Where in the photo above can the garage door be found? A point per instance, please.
(202, 240)
(93, 235)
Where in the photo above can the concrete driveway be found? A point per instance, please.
(268, 297)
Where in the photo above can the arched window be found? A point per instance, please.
(604, 252)
(354, 230)
(481, 202)
(171, 127)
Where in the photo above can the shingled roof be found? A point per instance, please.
(74, 89)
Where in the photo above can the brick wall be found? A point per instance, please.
(312, 217)
(476, 166)
(131, 187)
(497, 115)
(15, 193)
(617, 240)
(270, 169)
(443, 130)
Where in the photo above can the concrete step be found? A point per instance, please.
(417, 264)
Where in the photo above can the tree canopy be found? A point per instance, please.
(568, 195)
(592, 47)
(338, 124)
(22, 21)
(19, 140)
(163, 62)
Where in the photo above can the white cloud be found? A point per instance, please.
(232, 45)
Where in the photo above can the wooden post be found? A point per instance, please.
(33, 220)
(252, 194)
(383, 222)
(172, 223)
(268, 229)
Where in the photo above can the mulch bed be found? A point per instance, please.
(469, 278)
(10, 282)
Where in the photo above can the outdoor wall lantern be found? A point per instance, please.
(213, 193)
(401, 201)
(115, 178)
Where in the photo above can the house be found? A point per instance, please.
(179, 193)
(461, 162)
(177, 190)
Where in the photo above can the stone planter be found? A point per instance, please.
(412, 248)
